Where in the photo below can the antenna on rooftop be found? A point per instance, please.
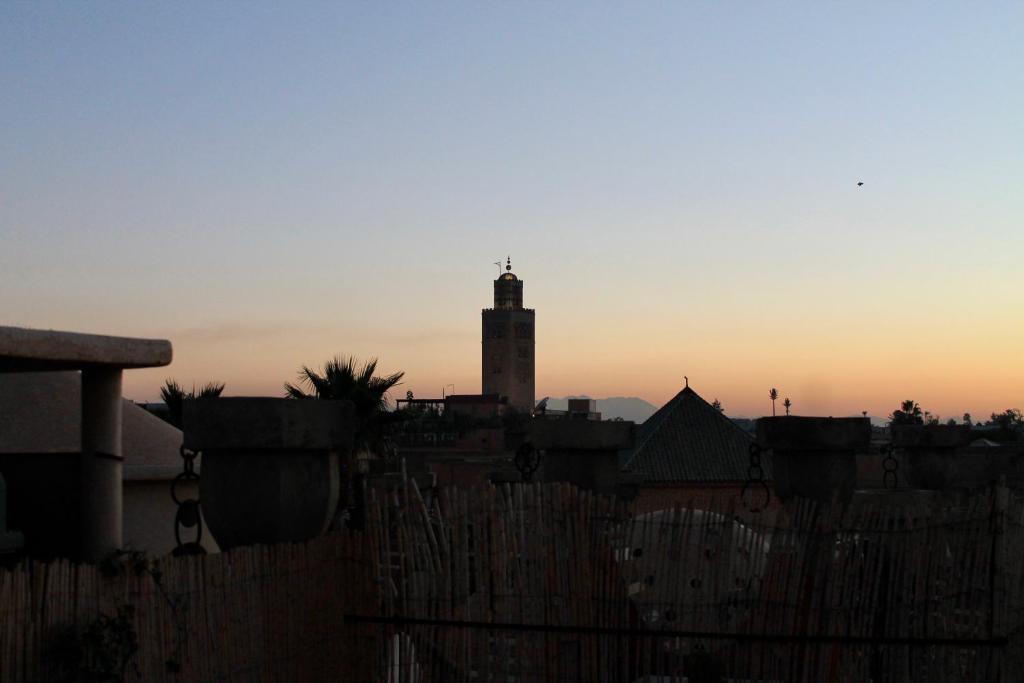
(687, 380)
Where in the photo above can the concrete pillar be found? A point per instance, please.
(101, 505)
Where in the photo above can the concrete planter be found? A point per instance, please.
(940, 457)
(814, 457)
(929, 453)
(270, 466)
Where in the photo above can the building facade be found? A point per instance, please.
(508, 334)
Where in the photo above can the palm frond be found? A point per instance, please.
(344, 377)
(292, 391)
(174, 396)
(171, 392)
(211, 390)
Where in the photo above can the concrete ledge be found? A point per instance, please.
(27, 350)
(581, 434)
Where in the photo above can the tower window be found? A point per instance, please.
(524, 352)
(524, 331)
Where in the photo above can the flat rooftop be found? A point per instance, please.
(27, 350)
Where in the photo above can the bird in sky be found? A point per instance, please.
(860, 183)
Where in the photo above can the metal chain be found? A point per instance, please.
(755, 478)
(188, 515)
(890, 478)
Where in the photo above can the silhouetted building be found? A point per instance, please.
(508, 344)
(577, 409)
(583, 409)
(471, 405)
(456, 440)
(470, 440)
(689, 451)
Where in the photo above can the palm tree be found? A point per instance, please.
(344, 378)
(773, 394)
(174, 396)
(1009, 420)
(788, 404)
(909, 413)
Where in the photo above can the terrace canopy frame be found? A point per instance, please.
(101, 360)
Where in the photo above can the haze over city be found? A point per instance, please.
(678, 191)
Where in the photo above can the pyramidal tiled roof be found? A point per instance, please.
(690, 440)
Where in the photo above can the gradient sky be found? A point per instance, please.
(269, 184)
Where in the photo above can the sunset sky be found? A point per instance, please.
(267, 185)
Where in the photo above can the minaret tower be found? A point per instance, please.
(508, 343)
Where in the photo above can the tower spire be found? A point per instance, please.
(508, 264)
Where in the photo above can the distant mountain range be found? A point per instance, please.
(627, 407)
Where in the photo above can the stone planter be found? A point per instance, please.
(929, 456)
(940, 457)
(270, 467)
(814, 457)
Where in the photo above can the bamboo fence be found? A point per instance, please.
(260, 613)
(547, 582)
